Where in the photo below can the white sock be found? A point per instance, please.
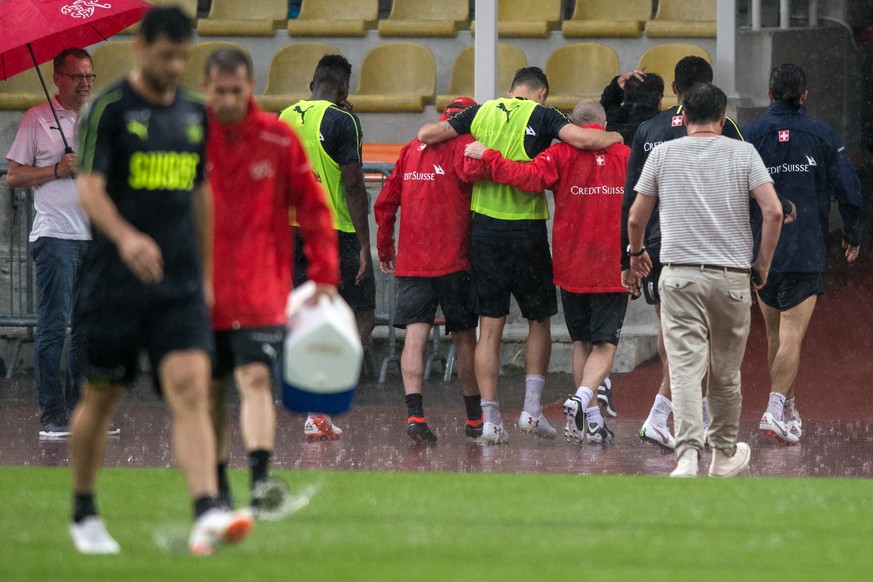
(593, 416)
(776, 405)
(661, 411)
(533, 394)
(788, 410)
(491, 411)
(585, 395)
(706, 417)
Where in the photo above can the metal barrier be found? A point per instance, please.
(18, 314)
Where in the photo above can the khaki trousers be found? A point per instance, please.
(705, 317)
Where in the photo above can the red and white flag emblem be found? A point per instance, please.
(783, 135)
(600, 159)
(677, 121)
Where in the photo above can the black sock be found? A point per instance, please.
(223, 482)
(204, 504)
(414, 405)
(473, 406)
(83, 506)
(259, 461)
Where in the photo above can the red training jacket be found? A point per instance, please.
(258, 170)
(428, 181)
(588, 188)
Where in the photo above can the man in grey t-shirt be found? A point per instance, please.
(702, 184)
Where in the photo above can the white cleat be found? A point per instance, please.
(574, 426)
(777, 429)
(538, 426)
(659, 436)
(494, 434)
(217, 527)
(90, 537)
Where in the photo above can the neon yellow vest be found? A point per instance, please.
(305, 117)
(501, 124)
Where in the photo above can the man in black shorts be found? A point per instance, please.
(509, 247)
(141, 148)
(332, 136)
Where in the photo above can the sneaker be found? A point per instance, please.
(417, 429)
(217, 527)
(724, 466)
(113, 430)
(538, 426)
(793, 423)
(54, 430)
(575, 415)
(777, 429)
(596, 434)
(321, 427)
(90, 537)
(687, 465)
(658, 435)
(494, 434)
(473, 428)
(270, 499)
(604, 397)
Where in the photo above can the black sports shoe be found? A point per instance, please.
(417, 429)
(604, 397)
(473, 428)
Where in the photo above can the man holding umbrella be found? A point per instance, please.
(60, 233)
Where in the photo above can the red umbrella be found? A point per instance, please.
(32, 32)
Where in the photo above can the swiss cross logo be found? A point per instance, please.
(677, 121)
(600, 159)
(83, 8)
(783, 135)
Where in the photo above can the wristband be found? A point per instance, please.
(636, 254)
(56, 171)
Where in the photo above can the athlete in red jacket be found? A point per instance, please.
(432, 266)
(258, 171)
(588, 188)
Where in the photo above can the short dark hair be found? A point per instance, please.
(690, 71)
(787, 84)
(228, 60)
(704, 103)
(170, 21)
(648, 92)
(73, 51)
(332, 70)
(532, 77)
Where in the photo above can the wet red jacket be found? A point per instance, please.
(258, 171)
(588, 188)
(429, 183)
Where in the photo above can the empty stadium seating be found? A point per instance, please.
(662, 59)
(398, 76)
(111, 62)
(418, 18)
(510, 58)
(249, 18)
(683, 19)
(519, 19)
(579, 71)
(608, 18)
(189, 6)
(192, 78)
(334, 18)
(290, 74)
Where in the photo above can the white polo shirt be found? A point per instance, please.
(38, 143)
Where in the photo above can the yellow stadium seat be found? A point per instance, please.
(112, 61)
(192, 78)
(189, 6)
(519, 19)
(291, 72)
(398, 76)
(425, 18)
(608, 18)
(510, 58)
(24, 91)
(662, 59)
(334, 18)
(249, 18)
(579, 71)
(683, 19)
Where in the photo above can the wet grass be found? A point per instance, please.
(447, 526)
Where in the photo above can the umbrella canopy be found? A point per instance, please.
(49, 26)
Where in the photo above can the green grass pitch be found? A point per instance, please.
(448, 526)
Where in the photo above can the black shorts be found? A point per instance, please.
(594, 317)
(785, 291)
(116, 332)
(238, 347)
(359, 297)
(520, 266)
(418, 297)
(650, 284)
